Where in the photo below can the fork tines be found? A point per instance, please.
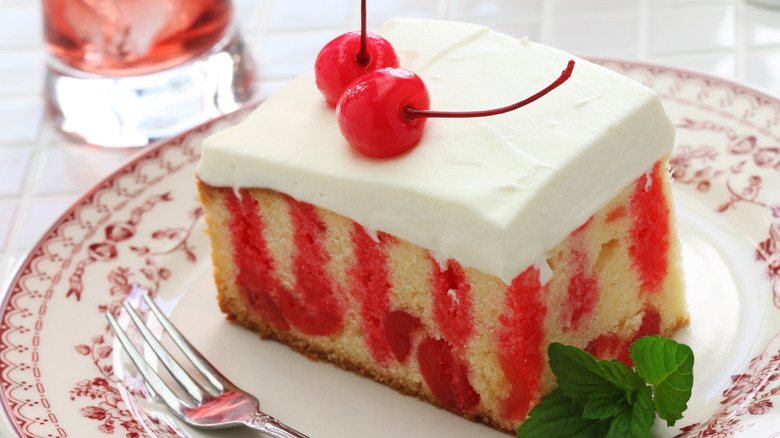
(197, 392)
(217, 404)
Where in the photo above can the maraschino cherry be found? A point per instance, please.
(383, 113)
(349, 57)
(371, 112)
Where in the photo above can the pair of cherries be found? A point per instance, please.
(358, 73)
(381, 108)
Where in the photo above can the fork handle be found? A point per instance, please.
(273, 427)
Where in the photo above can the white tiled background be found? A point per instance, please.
(42, 174)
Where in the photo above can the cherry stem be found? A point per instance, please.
(414, 113)
(362, 56)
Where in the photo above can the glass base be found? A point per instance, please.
(133, 111)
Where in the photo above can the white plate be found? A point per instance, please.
(59, 375)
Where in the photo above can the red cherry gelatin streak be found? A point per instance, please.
(521, 342)
(312, 306)
(582, 290)
(315, 307)
(371, 288)
(446, 375)
(649, 230)
(452, 302)
(256, 269)
(611, 346)
(400, 326)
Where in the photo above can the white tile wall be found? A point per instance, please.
(21, 116)
(287, 15)
(471, 9)
(41, 174)
(20, 25)
(761, 27)
(612, 34)
(707, 28)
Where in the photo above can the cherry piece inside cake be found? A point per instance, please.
(445, 272)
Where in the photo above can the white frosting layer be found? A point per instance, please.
(493, 193)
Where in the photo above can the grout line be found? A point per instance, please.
(672, 6)
(354, 15)
(740, 35)
(661, 57)
(545, 16)
(22, 50)
(10, 263)
(5, 238)
(336, 30)
(22, 198)
(446, 9)
(26, 193)
(768, 49)
(642, 29)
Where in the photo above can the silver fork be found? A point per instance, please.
(224, 405)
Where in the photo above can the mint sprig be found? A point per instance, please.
(668, 367)
(606, 398)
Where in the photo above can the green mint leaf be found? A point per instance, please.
(605, 404)
(643, 413)
(621, 426)
(668, 367)
(622, 376)
(603, 398)
(625, 396)
(578, 373)
(636, 421)
(558, 416)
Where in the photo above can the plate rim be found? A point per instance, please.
(150, 151)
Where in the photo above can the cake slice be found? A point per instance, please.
(446, 272)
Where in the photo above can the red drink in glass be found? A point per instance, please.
(124, 73)
(132, 37)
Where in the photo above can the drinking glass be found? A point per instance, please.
(128, 72)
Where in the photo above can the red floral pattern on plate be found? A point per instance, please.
(138, 226)
(727, 150)
(110, 238)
